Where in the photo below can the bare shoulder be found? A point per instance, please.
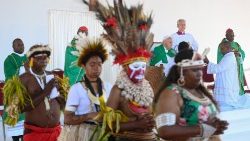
(25, 77)
(168, 101)
(115, 93)
(115, 90)
(168, 94)
(114, 97)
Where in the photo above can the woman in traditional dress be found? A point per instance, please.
(184, 109)
(83, 99)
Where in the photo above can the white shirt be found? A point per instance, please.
(227, 82)
(187, 37)
(78, 97)
(21, 69)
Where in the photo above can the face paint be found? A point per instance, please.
(136, 71)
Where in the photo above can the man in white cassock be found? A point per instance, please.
(226, 91)
(181, 36)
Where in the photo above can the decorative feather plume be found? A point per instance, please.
(93, 48)
(80, 42)
(127, 29)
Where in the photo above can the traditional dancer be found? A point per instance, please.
(83, 98)
(129, 104)
(184, 109)
(36, 93)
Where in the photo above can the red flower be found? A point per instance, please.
(143, 27)
(111, 22)
(203, 113)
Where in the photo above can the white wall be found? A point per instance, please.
(28, 20)
(207, 20)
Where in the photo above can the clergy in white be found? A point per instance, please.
(182, 36)
(226, 91)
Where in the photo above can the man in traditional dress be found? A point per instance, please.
(14, 66)
(180, 36)
(240, 56)
(37, 95)
(71, 69)
(164, 55)
(227, 88)
(130, 100)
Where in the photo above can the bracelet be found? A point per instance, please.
(201, 130)
(208, 130)
(165, 119)
(70, 108)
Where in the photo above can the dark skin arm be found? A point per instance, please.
(26, 66)
(60, 99)
(237, 54)
(37, 97)
(71, 119)
(221, 125)
(143, 122)
(170, 102)
(206, 60)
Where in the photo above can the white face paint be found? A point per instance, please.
(136, 70)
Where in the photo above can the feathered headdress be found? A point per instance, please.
(78, 42)
(38, 49)
(92, 48)
(127, 29)
(195, 62)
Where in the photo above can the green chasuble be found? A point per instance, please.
(160, 54)
(236, 47)
(194, 110)
(12, 66)
(71, 70)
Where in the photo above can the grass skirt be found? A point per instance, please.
(82, 132)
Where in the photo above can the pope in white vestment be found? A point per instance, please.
(226, 91)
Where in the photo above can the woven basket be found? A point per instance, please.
(155, 76)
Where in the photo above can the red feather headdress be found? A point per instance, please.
(127, 29)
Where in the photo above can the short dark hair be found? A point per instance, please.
(86, 58)
(183, 46)
(93, 48)
(184, 54)
(15, 40)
